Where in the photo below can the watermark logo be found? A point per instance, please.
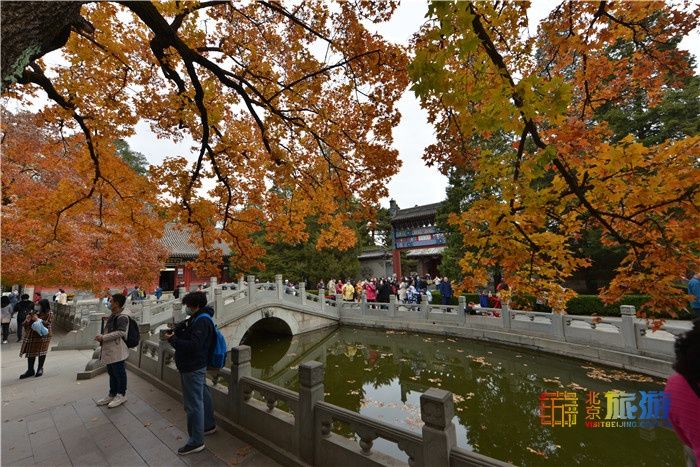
(610, 409)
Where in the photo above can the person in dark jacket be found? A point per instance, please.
(445, 288)
(193, 340)
(384, 291)
(23, 308)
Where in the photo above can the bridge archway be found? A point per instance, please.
(269, 325)
(273, 320)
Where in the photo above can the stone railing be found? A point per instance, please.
(295, 428)
(624, 342)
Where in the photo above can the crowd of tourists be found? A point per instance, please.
(406, 290)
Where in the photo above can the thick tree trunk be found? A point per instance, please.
(31, 30)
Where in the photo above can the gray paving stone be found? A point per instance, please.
(23, 462)
(49, 450)
(38, 438)
(88, 458)
(79, 443)
(65, 417)
(169, 434)
(39, 421)
(15, 450)
(60, 461)
(90, 414)
(147, 444)
(14, 430)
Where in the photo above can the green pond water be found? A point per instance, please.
(497, 389)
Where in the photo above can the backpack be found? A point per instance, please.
(217, 354)
(133, 336)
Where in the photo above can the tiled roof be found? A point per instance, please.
(417, 212)
(375, 253)
(177, 240)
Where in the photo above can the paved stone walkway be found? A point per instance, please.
(53, 420)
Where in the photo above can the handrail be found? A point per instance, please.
(368, 429)
(271, 393)
(474, 459)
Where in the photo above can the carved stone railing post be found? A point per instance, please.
(251, 289)
(240, 367)
(505, 316)
(146, 314)
(218, 302)
(462, 308)
(213, 282)
(310, 392)
(339, 302)
(424, 306)
(162, 347)
(181, 291)
(279, 286)
(558, 326)
(302, 292)
(439, 436)
(322, 299)
(628, 314)
(241, 283)
(393, 309)
(363, 303)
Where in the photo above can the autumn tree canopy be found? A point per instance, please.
(291, 107)
(480, 75)
(111, 238)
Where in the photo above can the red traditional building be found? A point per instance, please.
(415, 232)
(176, 273)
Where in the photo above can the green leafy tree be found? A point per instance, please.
(136, 160)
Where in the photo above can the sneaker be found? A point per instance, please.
(4, 342)
(189, 449)
(118, 400)
(210, 431)
(105, 400)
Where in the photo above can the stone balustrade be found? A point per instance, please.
(297, 427)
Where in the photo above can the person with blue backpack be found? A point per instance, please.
(198, 345)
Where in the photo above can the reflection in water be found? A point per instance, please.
(382, 375)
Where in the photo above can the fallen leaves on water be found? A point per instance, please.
(294, 367)
(350, 381)
(617, 375)
(518, 356)
(457, 398)
(354, 392)
(539, 453)
(414, 378)
(460, 350)
(390, 332)
(434, 380)
(554, 380)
